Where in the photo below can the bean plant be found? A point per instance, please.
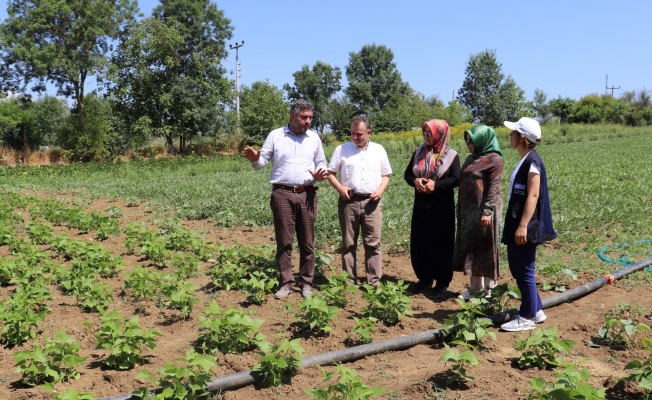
(348, 387)
(187, 381)
(125, 340)
(56, 361)
(388, 302)
(278, 362)
(228, 331)
(542, 349)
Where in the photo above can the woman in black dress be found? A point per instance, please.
(434, 172)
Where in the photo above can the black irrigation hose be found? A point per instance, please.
(245, 378)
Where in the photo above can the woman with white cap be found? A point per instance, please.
(528, 221)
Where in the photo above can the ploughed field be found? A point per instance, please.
(413, 373)
(170, 242)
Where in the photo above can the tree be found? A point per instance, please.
(540, 105)
(486, 92)
(60, 41)
(455, 114)
(88, 131)
(373, 79)
(50, 115)
(562, 108)
(170, 80)
(339, 112)
(318, 86)
(262, 109)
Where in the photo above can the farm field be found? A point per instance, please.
(600, 197)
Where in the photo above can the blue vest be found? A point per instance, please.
(539, 229)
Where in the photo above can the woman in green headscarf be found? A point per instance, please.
(480, 205)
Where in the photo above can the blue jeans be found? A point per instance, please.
(521, 263)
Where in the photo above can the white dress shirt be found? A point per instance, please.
(291, 156)
(360, 169)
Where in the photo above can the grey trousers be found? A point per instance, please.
(366, 216)
(295, 212)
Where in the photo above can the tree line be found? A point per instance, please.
(162, 75)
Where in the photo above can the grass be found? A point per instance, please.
(598, 180)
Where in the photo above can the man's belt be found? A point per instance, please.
(295, 189)
(357, 196)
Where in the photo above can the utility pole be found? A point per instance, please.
(237, 79)
(606, 86)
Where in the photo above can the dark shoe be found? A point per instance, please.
(419, 286)
(439, 290)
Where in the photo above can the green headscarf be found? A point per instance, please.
(484, 141)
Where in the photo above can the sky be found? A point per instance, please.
(566, 48)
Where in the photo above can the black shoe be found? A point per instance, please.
(419, 286)
(439, 290)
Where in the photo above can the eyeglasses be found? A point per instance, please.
(427, 133)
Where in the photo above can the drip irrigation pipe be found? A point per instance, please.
(245, 378)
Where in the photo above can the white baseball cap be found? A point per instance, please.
(528, 127)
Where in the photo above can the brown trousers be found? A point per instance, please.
(365, 215)
(295, 212)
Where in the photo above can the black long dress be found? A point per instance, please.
(433, 227)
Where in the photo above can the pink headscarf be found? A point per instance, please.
(433, 161)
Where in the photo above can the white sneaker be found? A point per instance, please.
(465, 295)
(540, 317)
(518, 324)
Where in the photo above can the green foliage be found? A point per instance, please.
(374, 80)
(49, 42)
(143, 283)
(387, 302)
(125, 340)
(490, 96)
(541, 349)
(641, 372)
(315, 314)
(19, 324)
(500, 298)
(278, 362)
(334, 291)
(468, 327)
(349, 387)
(365, 328)
(56, 361)
(87, 131)
(186, 382)
(620, 332)
(317, 85)
(177, 295)
(257, 285)
(572, 384)
(560, 277)
(461, 363)
(39, 233)
(169, 75)
(228, 331)
(186, 264)
(133, 235)
(262, 110)
(562, 108)
(73, 394)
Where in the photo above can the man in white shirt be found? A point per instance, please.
(298, 161)
(364, 174)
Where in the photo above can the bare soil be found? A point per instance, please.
(415, 373)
